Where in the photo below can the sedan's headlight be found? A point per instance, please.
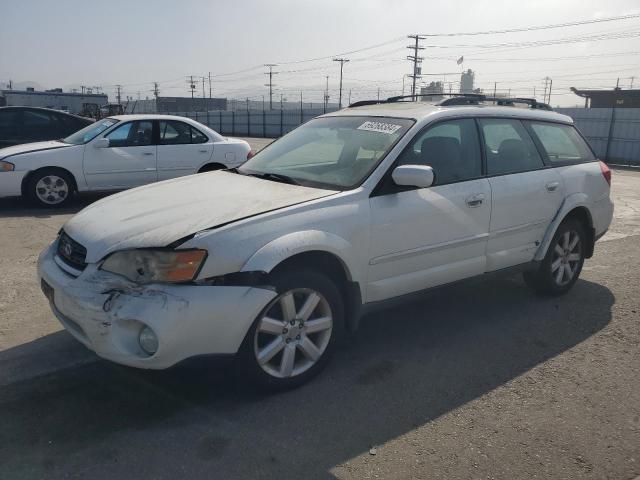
(148, 266)
(6, 166)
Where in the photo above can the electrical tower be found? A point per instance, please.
(342, 61)
(155, 90)
(271, 73)
(119, 94)
(417, 69)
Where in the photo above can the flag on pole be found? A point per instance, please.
(460, 60)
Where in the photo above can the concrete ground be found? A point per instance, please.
(482, 380)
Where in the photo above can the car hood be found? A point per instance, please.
(31, 147)
(159, 214)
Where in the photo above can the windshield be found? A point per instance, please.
(331, 152)
(90, 132)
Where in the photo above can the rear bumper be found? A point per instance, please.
(11, 184)
(106, 312)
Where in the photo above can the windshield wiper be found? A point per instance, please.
(278, 177)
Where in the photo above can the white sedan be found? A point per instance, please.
(116, 153)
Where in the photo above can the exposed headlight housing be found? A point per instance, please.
(156, 265)
(7, 166)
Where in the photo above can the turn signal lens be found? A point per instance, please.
(7, 167)
(148, 266)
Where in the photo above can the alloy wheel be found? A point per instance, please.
(293, 333)
(566, 258)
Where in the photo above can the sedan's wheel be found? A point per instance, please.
(563, 262)
(292, 339)
(293, 333)
(50, 188)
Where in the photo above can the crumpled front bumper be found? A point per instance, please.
(106, 312)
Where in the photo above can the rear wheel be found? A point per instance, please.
(563, 262)
(292, 339)
(50, 187)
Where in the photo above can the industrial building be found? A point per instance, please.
(617, 98)
(71, 102)
(466, 81)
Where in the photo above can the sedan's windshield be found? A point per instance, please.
(331, 152)
(90, 132)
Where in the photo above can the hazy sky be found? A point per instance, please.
(68, 43)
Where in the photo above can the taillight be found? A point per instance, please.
(250, 154)
(606, 172)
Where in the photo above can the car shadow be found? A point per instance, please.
(407, 366)
(19, 207)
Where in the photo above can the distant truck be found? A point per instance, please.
(96, 111)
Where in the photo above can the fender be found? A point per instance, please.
(274, 252)
(572, 201)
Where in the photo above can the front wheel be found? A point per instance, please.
(50, 187)
(292, 339)
(563, 262)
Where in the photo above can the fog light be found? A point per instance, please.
(148, 341)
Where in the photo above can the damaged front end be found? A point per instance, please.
(152, 325)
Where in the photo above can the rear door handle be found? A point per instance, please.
(203, 151)
(475, 200)
(552, 186)
(147, 153)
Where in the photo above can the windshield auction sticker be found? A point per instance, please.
(379, 127)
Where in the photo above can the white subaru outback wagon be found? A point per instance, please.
(273, 261)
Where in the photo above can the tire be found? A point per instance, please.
(50, 188)
(279, 351)
(563, 262)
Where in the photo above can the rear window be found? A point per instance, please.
(561, 143)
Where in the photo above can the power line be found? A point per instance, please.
(538, 27)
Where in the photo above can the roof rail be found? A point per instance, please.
(461, 99)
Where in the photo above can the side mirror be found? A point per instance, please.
(419, 176)
(101, 143)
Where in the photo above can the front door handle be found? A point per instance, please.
(552, 186)
(475, 200)
(147, 153)
(203, 151)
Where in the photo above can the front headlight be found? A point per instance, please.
(148, 266)
(6, 166)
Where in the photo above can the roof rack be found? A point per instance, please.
(461, 99)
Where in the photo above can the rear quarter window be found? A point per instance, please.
(561, 143)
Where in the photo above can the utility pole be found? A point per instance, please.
(546, 86)
(210, 86)
(326, 94)
(550, 85)
(192, 85)
(342, 61)
(119, 94)
(631, 86)
(417, 69)
(271, 73)
(155, 90)
(495, 87)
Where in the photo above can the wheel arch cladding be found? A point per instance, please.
(321, 251)
(578, 210)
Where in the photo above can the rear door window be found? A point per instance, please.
(561, 143)
(508, 147)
